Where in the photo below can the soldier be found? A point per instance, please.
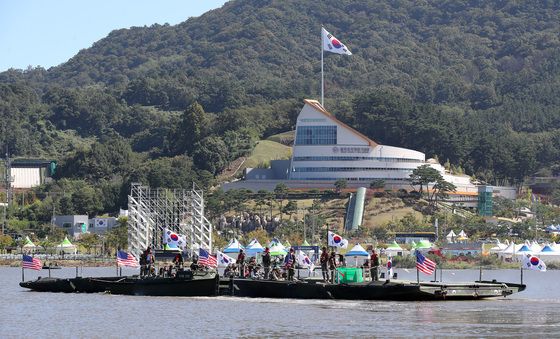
(374, 266)
(241, 263)
(324, 264)
(266, 262)
(332, 265)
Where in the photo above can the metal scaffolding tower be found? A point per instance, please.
(153, 210)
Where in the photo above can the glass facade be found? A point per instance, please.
(349, 169)
(316, 135)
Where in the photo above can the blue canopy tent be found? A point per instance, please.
(547, 248)
(254, 248)
(233, 247)
(357, 251)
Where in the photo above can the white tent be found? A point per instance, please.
(66, 247)
(451, 236)
(535, 247)
(29, 246)
(508, 252)
(254, 247)
(276, 243)
(358, 252)
(394, 249)
(549, 253)
(233, 247)
(499, 247)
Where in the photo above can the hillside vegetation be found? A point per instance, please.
(473, 82)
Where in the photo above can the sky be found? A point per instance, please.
(49, 32)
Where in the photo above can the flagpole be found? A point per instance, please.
(322, 73)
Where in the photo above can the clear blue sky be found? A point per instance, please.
(49, 32)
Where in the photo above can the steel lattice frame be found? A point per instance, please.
(153, 210)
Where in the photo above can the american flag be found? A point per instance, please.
(205, 259)
(32, 263)
(424, 264)
(126, 259)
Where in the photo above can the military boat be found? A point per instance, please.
(376, 290)
(184, 283)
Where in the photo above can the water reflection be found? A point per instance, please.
(531, 313)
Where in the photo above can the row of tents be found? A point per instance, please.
(65, 247)
(277, 248)
(511, 250)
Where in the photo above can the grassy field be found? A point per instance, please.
(286, 138)
(265, 151)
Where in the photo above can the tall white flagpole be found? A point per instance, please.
(322, 74)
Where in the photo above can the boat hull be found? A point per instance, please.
(204, 284)
(379, 290)
(196, 287)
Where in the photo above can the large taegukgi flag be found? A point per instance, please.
(332, 44)
(336, 240)
(532, 262)
(173, 239)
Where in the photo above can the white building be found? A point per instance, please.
(326, 149)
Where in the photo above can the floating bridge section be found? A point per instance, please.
(153, 210)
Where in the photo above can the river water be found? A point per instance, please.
(26, 314)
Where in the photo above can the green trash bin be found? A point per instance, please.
(349, 275)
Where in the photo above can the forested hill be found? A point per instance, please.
(475, 82)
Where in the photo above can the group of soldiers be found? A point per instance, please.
(252, 269)
(329, 265)
(270, 267)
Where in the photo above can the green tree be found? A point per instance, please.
(424, 175)
(340, 184)
(377, 184)
(441, 190)
(211, 154)
(280, 193)
(290, 208)
(6, 241)
(89, 241)
(193, 128)
(117, 238)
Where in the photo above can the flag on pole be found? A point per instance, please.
(424, 264)
(332, 44)
(532, 262)
(336, 240)
(304, 261)
(126, 259)
(173, 239)
(205, 259)
(31, 263)
(224, 259)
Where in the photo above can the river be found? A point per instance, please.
(27, 314)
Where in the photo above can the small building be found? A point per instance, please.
(28, 173)
(74, 225)
(457, 249)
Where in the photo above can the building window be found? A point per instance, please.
(316, 135)
(67, 225)
(349, 158)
